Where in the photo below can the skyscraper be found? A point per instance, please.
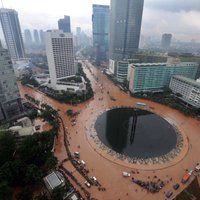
(166, 40)
(36, 37)
(60, 55)
(10, 102)
(12, 33)
(42, 37)
(28, 37)
(64, 24)
(100, 29)
(125, 26)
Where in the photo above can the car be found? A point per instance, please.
(176, 186)
(76, 154)
(87, 184)
(126, 174)
(93, 178)
(190, 172)
(169, 194)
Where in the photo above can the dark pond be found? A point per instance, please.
(135, 132)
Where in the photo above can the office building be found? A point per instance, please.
(100, 30)
(166, 40)
(156, 76)
(188, 89)
(12, 33)
(28, 38)
(60, 56)
(125, 26)
(36, 37)
(41, 37)
(10, 101)
(64, 24)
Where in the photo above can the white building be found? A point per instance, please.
(188, 89)
(60, 56)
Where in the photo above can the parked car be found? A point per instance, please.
(176, 186)
(76, 154)
(87, 184)
(169, 194)
(126, 174)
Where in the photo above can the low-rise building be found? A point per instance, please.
(53, 180)
(188, 90)
(156, 76)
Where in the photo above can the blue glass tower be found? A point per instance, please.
(100, 27)
(64, 24)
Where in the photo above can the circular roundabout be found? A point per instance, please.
(137, 136)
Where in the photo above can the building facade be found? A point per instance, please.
(125, 25)
(156, 76)
(10, 101)
(188, 89)
(166, 40)
(60, 55)
(64, 24)
(100, 30)
(36, 37)
(12, 33)
(28, 37)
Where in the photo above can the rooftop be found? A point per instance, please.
(188, 80)
(53, 180)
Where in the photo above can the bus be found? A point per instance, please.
(140, 104)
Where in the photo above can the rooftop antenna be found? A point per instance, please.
(2, 4)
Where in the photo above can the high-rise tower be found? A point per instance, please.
(28, 37)
(60, 55)
(166, 40)
(64, 24)
(10, 101)
(100, 29)
(12, 33)
(36, 37)
(125, 26)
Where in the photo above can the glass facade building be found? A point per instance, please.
(100, 29)
(155, 76)
(125, 25)
(64, 24)
(12, 33)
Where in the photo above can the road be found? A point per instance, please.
(106, 168)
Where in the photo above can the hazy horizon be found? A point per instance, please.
(166, 16)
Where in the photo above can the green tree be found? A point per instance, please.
(5, 191)
(25, 194)
(33, 175)
(7, 146)
(58, 193)
(51, 162)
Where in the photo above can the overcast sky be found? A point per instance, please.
(179, 17)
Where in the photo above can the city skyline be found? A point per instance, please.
(157, 17)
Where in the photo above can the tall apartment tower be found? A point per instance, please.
(41, 37)
(28, 37)
(125, 25)
(12, 33)
(64, 24)
(10, 101)
(100, 30)
(60, 55)
(166, 40)
(36, 37)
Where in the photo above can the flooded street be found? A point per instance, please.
(106, 168)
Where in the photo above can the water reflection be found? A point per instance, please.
(135, 132)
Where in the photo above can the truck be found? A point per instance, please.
(186, 177)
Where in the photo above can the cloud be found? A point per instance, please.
(173, 5)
